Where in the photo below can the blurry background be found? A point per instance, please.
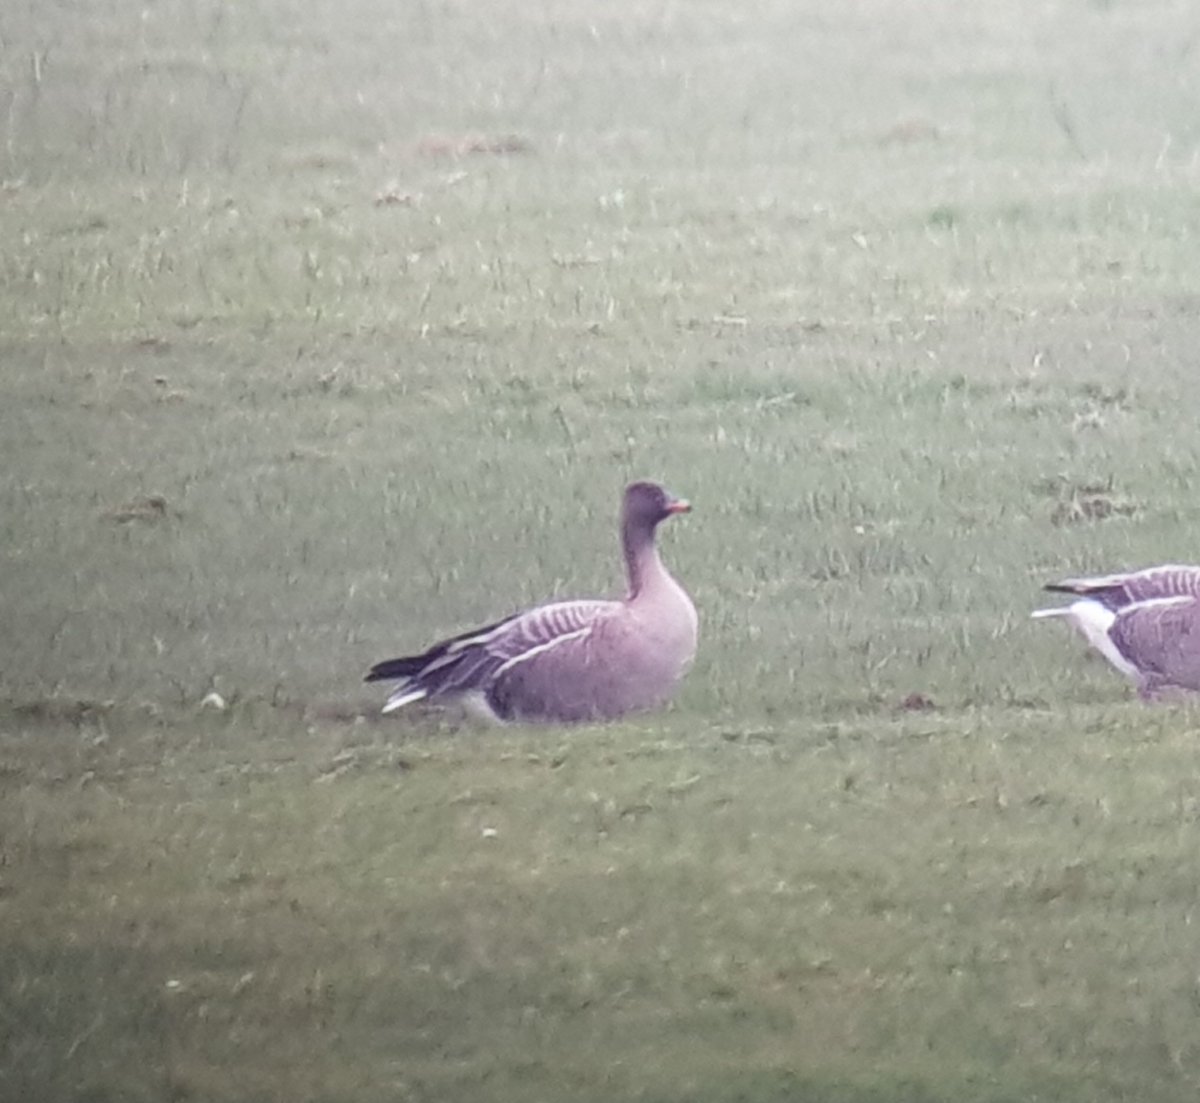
(385, 303)
(330, 328)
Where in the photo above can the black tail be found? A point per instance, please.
(1111, 597)
(392, 669)
(1116, 590)
(408, 666)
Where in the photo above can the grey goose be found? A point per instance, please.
(569, 661)
(1146, 623)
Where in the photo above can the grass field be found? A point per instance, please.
(328, 328)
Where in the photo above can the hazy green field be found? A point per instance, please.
(327, 328)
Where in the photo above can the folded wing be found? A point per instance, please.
(1160, 638)
(1115, 591)
(472, 662)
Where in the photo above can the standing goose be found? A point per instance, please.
(570, 661)
(1145, 623)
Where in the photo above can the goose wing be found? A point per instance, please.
(1161, 639)
(470, 662)
(530, 634)
(1115, 591)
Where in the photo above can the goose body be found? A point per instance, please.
(569, 661)
(1145, 623)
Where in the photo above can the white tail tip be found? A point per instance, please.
(399, 700)
(1057, 611)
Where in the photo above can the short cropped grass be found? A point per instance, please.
(330, 328)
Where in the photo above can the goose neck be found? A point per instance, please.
(642, 564)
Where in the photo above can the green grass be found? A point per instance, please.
(903, 302)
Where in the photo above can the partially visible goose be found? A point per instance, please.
(1145, 623)
(570, 661)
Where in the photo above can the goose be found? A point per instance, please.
(1146, 623)
(569, 661)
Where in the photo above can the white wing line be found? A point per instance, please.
(1157, 602)
(533, 652)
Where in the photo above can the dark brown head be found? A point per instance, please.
(644, 506)
(647, 503)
